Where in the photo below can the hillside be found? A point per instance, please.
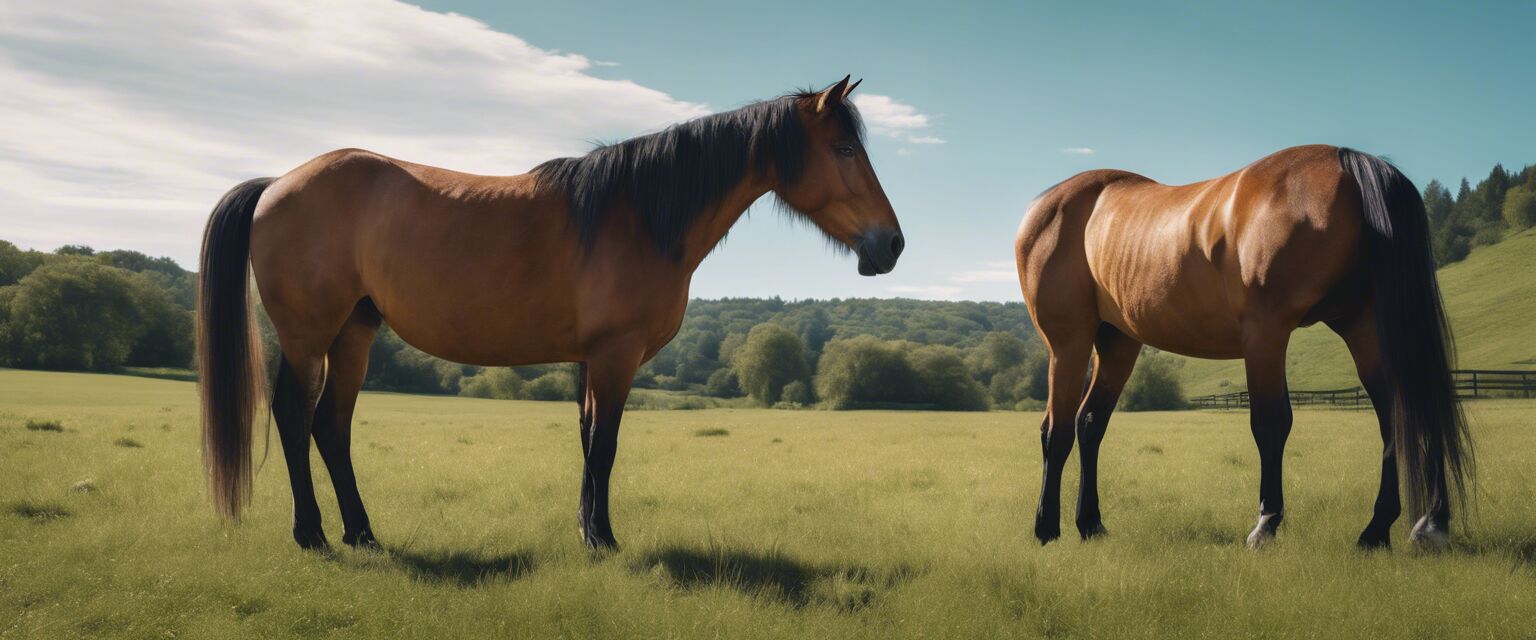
(1490, 296)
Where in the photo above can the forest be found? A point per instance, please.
(79, 309)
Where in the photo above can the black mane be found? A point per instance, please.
(672, 176)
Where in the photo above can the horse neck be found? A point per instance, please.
(714, 223)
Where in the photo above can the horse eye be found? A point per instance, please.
(844, 150)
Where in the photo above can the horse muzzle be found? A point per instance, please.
(878, 251)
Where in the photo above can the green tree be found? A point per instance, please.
(771, 357)
(15, 264)
(864, 369)
(1520, 207)
(1154, 384)
(722, 384)
(998, 351)
(797, 393)
(73, 314)
(943, 380)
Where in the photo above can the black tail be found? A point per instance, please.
(229, 362)
(1417, 352)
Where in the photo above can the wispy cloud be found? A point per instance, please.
(936, 292)
(987, 272)
(892, 118)
(1078, 151)
(124, 122)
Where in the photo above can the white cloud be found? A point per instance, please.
(996, 271)
(890, 117)
(1078, 151)
(125, 121)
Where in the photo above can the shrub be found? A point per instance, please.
(771, 357)
(722, 384)
(1520, 207)
(45, 425)
(861, 370)
(559, 384)
(1154, 385)
(943, 381)
(798, 393)
(498, 382)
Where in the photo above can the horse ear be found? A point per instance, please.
(851, 87)
(834, 92)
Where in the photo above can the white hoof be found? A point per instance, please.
(1264, 533)
(1428, 536)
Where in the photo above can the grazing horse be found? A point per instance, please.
(583, 260)
(1227, 268)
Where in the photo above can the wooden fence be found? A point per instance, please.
(1470, 383)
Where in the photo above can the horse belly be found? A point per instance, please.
(1173, 303)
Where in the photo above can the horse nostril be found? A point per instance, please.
(897, 244)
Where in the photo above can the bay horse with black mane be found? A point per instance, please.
(1227, 268)
(583, 260)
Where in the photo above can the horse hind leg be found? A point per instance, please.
(1069, 364)
(294, 399)
(1116, 358)
(1359, 334)
(347, 367)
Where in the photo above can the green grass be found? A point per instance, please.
(799, 524)
(1490, 297)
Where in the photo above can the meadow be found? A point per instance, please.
(738, 523)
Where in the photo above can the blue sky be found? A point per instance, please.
(1020, 94)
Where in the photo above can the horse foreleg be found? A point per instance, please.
(1270, 420)
(608, 379)
(1117, 354)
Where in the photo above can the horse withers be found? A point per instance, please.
(1227, 268)
(583, 260)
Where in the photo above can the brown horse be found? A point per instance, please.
(583, 260)
(1228, 268)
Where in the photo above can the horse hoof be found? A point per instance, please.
(1371, 540)
(599, 543)
(1045, 533)
(311, 540)
(361, 540)
(1429, 536)
(1264, 534)
(1096, 530)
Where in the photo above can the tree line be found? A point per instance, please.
(1501, 203)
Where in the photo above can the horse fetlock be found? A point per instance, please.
(1264, 533)
(1091, 530)
(1047, 529)
(1430, 536)
(361, 539)
(310, 538)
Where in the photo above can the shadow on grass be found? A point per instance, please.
(452, 568)
(1521, 549)
(461, 568)
(776, 576)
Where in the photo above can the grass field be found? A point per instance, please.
(1488, 297)
(735, 523)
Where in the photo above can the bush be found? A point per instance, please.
(771, 357)
(498, 382)
(862, 370)
(722, 384)
(559, 384)
(1154, 385)
(943, 380)
(798, 393)
(1520, 207)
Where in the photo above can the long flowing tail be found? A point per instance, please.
(1417, 351)
(229, 361)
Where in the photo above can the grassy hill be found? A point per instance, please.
(1490, 296)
